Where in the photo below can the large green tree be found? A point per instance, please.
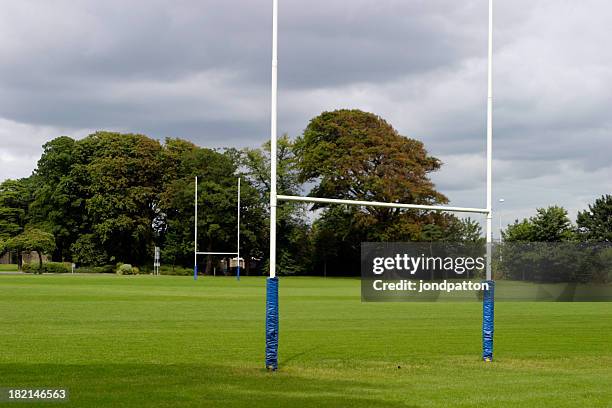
(550, 224)
(112, 197)
(356, 155)
(124, 172)
(61, 192)
(350, 154)
(15, 199)
(595, 224)
(98, 196)
(294, 251)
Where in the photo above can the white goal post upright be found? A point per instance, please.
(271, 353)
(195, 235)
(273, 136)
(272, 282)
(238, 234)
(489, 229)
(488, 295)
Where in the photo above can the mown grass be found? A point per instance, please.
(172, 342)
(8, 267)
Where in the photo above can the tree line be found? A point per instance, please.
(112, 197)
(549, 247)
(552, 224)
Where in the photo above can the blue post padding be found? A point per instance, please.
(488, 304)
(272, 323)
(195, 272)
(238, 272)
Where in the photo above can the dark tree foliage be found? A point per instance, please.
(60, 196)
(355, 155)
(358, 155)
(544, 248)
(112, 197)
(217, 199)
(294, 251)
(561, 261)
(15, 198)
(595, 224)
(548, 225)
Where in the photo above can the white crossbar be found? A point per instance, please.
(217, 253)
(381, 204)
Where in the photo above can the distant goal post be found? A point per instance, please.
(196, 253)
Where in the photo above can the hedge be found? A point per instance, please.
(47, 267)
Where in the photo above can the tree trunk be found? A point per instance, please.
(40, 267)
(19, 261)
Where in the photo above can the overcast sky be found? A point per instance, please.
(200, 70)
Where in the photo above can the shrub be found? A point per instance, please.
(167, 270)
(96, 269)
(124, 269)
(57, 267)
(127, 269)
(48, 267)
(87, 250)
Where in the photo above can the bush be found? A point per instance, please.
(48, 267)
(127, 269)
(96, 269)
(87, 250)
(57, 267)
(167, 270)
(124, 269)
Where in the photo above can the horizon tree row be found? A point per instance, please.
(112, 197)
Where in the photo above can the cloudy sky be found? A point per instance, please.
(200, 69)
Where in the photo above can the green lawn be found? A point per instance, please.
(8, 268)
(172, 342)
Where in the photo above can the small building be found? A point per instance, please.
(28, 257)
(5, 259)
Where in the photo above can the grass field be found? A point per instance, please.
(172, 342)
(8, 268)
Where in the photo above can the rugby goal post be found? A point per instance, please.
(272, 313)
(195, 234)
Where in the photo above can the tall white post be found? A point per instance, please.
(238, 233)
(489, 228)
(273, 135)
(238, 245)
(195, 231)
